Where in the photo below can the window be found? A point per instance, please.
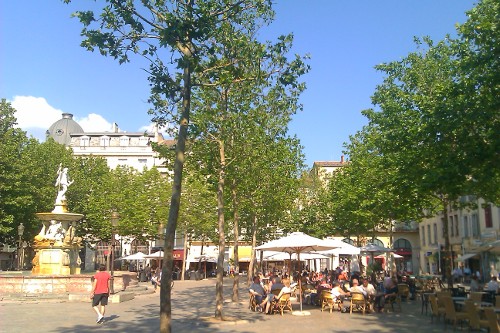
(475, 225)
(466, 226)
(348, 241)
(104, 141)
(452, 229)
(122, 161)
(423, 235)
(84, 141)
(435, 233)
(378, 242)
(456, 226)
(487, 216)
(402, 244)
(429, 234)
(142, 160)
(139, 246)
(124, 141)
(143, 141)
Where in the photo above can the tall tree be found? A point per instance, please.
(190, 31)
(27, 175)
(438, 116)
(256, 94)
(13, 192)
(477, 120)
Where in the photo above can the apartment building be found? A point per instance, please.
(473, 231)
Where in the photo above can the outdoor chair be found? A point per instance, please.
(252, 303)
(326, 300)
(491, 317)
(358, 302)
(477, 297)
(403, 292)
(436, 311)
(451, 314)
(443, 293)
(282, 304)
(475, 323)
(393, 300)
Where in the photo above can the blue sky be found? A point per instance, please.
(45, 72)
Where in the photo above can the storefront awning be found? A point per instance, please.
(466, 257)
(244, 253)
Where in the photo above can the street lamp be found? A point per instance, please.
(114, 222)
(20, 254)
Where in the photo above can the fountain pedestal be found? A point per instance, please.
(56, 246)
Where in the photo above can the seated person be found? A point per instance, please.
(274, 284)
(156, 279)
(284, 290)
(338, 293)
(391, 291)
(356, 288)
(370, 290)
(323, 285)
(474, 284)
(257, 291)
(492, 286)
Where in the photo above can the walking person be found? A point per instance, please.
(100, 292)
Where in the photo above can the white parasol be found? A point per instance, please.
(297, 242)
(341, 247)
(281, 256)
(157, 255)
(135, 256)
(373, 248)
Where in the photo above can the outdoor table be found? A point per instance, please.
(425, 301)
(458, 298)
(479, 305)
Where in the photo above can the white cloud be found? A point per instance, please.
(151, 128)
(94, 123)
(34, 112)
(35, 115)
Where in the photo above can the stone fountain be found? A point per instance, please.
(56, 265)
(56, 246)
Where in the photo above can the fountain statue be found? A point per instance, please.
(56, 245)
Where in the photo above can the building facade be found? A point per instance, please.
(471, 230)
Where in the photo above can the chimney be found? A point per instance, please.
(114, 128)
(342, 159)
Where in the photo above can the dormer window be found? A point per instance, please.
(104, 141)
(84, 141)
(143, 141)
(124, 141)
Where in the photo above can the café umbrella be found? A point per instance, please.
(135, 256)
(372, 249)
(296, 242)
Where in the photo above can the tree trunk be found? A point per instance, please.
(184, 257)
(236, 217)
(219, 297)
(251, 267)
(175, 201)
(201, 256)
(446, 256)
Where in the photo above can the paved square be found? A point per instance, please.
(194, 302)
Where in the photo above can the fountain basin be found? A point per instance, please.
(63, 217)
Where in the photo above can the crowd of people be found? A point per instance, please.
(338, 282)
